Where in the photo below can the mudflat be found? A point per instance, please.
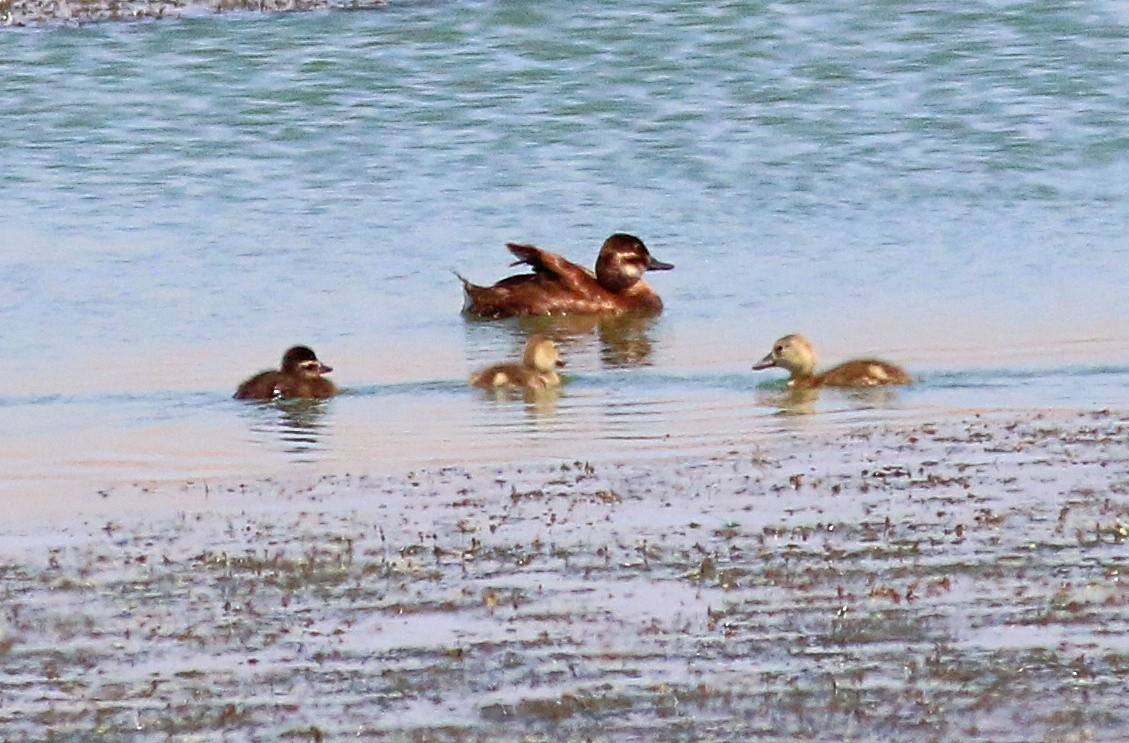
(961, 579)
(38, 12)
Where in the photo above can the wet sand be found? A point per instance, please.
(960, 579)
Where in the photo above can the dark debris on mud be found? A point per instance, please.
(957, 581)
(56, 12)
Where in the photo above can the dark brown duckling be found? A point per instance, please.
(300, 376)
(537, 370)
(795, 354)
(559, 287)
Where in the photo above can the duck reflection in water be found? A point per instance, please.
(301, 424)
(625, 341)
(540, 402)
(789, 400)
(298, 423)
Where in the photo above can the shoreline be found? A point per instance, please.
(57, 12)
(957, 580)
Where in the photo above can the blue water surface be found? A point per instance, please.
(942, 184)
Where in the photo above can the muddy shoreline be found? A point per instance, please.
(59, 12)
(955, 580)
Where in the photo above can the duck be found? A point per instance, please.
(537, 370)
(558, 286)
(300, 376)
(795, 353)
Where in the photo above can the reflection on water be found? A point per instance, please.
(49, 459)
(537, 403)
(297, 422)
(792, 401)
(788, 400)
(623, 342)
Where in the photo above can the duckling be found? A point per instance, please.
(559, 287)
(795, 353)
(300, 376)
(537, 370)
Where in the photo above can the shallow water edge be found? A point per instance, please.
(955, 580)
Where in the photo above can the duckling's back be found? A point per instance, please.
(270, 384)
(514, 375)
(862, 373)
(259, 387)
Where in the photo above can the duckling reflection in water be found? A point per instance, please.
(537, 371)
(300, 376)
(558, 286)
(795, 354)
(790, 401)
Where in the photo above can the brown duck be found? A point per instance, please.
(559, 287)
(300, 376)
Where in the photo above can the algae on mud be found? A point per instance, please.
(958, 580)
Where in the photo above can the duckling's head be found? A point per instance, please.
(792, 352)
(623, 260)
(541, 354)
(301, 361)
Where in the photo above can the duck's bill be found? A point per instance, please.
(324, 369)
(560, 362)
(765, 363)
(655, 265)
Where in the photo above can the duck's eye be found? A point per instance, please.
(778, 349)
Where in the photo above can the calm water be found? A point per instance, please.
(942, 183)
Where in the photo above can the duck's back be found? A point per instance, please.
(545, 294)
(270, 384)
(862, 373)
(513, 375)
(259, 387)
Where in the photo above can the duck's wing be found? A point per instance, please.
(544, 263)
(262, 386)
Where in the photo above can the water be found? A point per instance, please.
(943, 184)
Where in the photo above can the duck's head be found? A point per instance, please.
(623, 261)
(541, 354)
(303, 362)
(792, 352)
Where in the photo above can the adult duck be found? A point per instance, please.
(559, 287)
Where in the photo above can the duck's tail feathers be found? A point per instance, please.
(469, 292)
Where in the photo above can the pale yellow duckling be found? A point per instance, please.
(537, 371)
(795, 353)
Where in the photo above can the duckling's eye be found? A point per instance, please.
(779, 348)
